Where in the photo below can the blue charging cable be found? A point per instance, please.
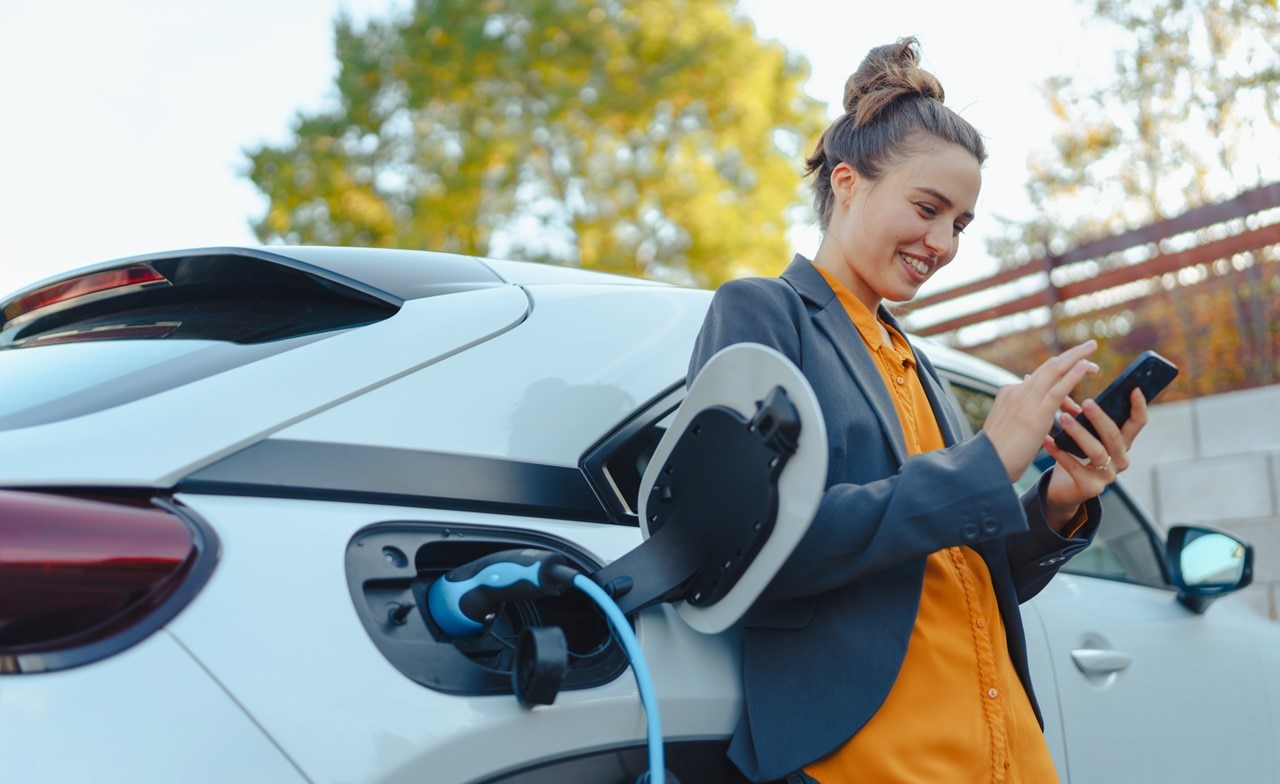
(466, 600)
(622, 630)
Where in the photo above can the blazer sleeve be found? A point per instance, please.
(945, 498)
(959, 495)
(1036, 555)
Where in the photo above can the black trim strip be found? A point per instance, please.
(281, 468)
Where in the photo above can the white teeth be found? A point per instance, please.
(917, 265)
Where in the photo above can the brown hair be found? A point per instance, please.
(891, 104)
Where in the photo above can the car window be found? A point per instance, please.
(617, 464)
(1125, 547)
(51, 382)
(103, 337)
(974, 405)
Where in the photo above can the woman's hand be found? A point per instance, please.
(1076, 480)
(1022, 414)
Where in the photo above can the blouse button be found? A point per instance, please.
(982, 623)
(902, 380)
(992, 693)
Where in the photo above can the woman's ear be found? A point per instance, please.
(844, 181)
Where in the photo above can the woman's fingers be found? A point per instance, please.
(1089, 475)
(1110, 443)
(1105, 447)
(1138, 416)
(1070, 406)
(1054, 379)
(1023, 413)
(1107, 454)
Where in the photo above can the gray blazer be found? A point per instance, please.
(824, 643)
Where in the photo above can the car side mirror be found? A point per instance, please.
(1205, 564)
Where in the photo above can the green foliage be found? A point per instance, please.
(1188, 117)
(647, 137)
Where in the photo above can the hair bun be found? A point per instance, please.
(887, 73)
(890, 104)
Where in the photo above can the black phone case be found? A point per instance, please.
(1150, 372)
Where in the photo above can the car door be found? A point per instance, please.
(1137, 687)
(1150, 691)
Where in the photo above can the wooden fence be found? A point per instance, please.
(1203, 287)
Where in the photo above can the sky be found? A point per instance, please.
(124, 123)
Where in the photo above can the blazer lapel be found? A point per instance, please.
(831, 318)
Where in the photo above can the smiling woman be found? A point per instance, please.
(922, 548)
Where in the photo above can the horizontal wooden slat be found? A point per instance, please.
(1247, 203)
(1153, 267)
(1172, 262)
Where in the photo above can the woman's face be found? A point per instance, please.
(893, 234)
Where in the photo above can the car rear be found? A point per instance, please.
(196, 446)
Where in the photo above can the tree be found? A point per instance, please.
(1191, 115)
(658, 138)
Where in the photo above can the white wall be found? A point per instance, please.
(1215, 461)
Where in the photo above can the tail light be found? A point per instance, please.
(84, 578)
(127, 278)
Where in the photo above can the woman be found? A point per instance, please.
(890, 648)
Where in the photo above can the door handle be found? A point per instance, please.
(1099, 661)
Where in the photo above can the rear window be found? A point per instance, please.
(48, 383)
(114, 334)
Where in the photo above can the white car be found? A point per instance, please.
(231, 476)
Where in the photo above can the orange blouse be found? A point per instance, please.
(957, 711)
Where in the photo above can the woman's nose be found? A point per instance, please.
(940, 241)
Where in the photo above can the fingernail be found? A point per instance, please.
(1093, 367)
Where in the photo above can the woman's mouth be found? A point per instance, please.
(921, 267)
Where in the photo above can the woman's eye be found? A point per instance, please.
(928, 210)
(959, 228)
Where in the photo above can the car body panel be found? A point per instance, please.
(151, 713)
(585, 358)
(1182, 680)
(304, 668)
(1043, 680)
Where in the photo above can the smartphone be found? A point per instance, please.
(1150, 372)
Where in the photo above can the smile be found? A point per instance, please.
(918, 265)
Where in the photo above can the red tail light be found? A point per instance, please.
(83, 286)
(81, 579)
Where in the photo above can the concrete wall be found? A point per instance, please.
(1215, 461)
